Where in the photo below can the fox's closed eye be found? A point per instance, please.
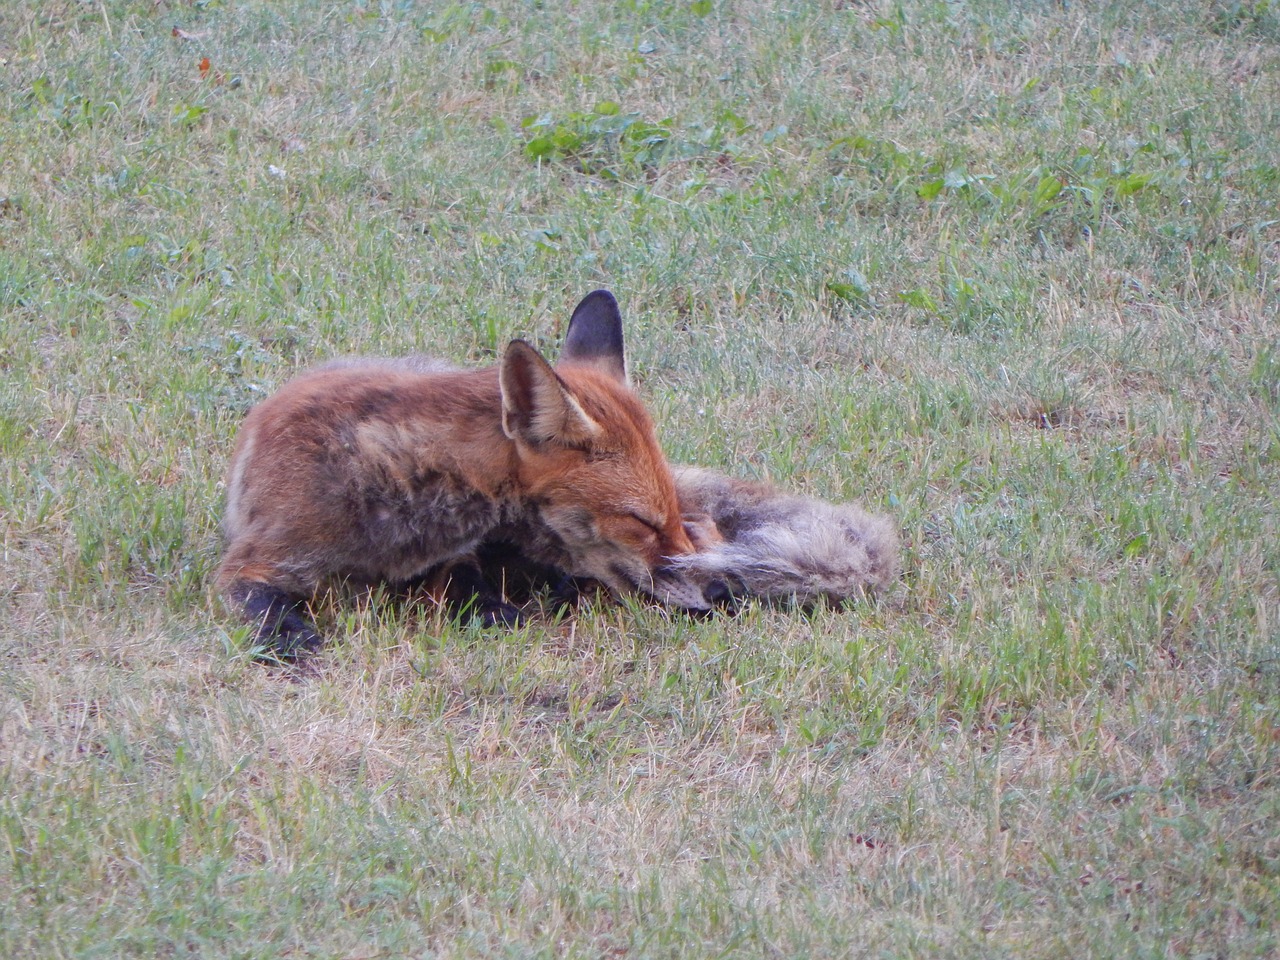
(652, 525)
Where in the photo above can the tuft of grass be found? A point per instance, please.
(1006, 272)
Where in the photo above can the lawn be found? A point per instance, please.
(1006, 272)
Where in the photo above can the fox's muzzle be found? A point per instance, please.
(670, 587)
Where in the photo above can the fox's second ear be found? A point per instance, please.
(537, 407)
(595, 335)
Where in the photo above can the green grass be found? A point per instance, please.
(1008, 272)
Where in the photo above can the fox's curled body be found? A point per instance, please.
(368, 472)
(764, 543)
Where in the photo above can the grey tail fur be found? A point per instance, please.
(776, 545)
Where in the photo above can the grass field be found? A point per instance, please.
(1008, 272)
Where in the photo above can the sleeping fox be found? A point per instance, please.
(369, 471)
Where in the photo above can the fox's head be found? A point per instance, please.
(590, 463)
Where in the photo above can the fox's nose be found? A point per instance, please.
(717, 593)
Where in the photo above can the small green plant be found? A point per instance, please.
(1260, 17)
(612, 144)
(605, 142)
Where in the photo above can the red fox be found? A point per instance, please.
(760, 542)
(369, 471)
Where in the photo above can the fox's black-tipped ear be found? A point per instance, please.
(537, 407)
(595, 336)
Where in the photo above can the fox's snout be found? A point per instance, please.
(717, 593)
(673, 587)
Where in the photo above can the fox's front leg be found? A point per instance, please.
(461, 585)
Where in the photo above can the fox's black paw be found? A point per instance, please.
(568, 591)
(283, 633)
(291, 643)
(499, 614)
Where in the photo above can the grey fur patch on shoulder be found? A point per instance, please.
(778, 545)
(413, 363)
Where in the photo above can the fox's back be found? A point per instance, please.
(371, 468)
